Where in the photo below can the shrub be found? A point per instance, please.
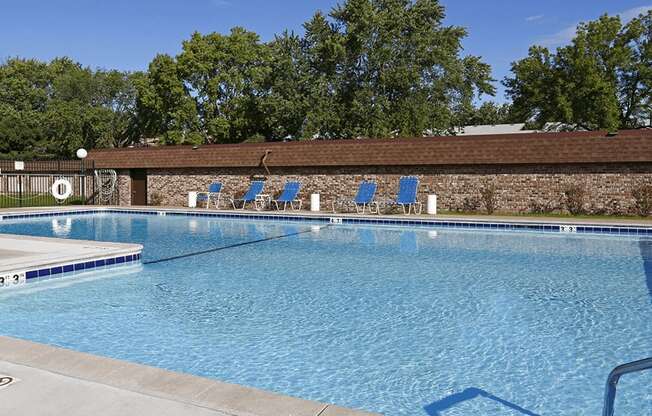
(543, 207)
(643, 200)
(470, 204)
(488, 196)
(574, 199)
(155, 199)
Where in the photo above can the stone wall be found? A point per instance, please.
(518, 189)
(124, 188)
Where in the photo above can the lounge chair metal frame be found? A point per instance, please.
(289, 195)
(252, 195)
(407, 196)
(214, 192)
(362, 201)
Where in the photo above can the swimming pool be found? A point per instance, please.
(403, 321)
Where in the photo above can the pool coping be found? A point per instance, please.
(227, 398)
(39, 262)
(552, 225)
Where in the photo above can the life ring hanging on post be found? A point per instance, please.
(67, 189)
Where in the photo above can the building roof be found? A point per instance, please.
(518, 128)
(505, 149)
(484, 129)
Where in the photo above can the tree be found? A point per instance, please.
(285, 102)
(370, 68)
(164, 106)
(391, 68)
(487, 113)
(601, 80)
(225, 75)
(51, 109)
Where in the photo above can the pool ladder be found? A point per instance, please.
(612, 381)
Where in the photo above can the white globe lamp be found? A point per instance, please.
(82, 153)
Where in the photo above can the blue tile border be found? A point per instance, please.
(81, 266)
(625, 230)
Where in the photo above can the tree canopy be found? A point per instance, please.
(52, 109)
(368, 68)
(602, 79)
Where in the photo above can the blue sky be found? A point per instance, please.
(127, 34)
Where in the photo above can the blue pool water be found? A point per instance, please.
(394, 320)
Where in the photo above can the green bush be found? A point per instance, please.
(643, 200)
(574, 196)
(488, 196)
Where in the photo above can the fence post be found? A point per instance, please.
(20, 190)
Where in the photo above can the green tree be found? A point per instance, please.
(601, 80)
(225, 75)
(52, 109)
(165, 108)
(285, 102)
(391, 68)
(487, 113)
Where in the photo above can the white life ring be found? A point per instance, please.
(67, 189)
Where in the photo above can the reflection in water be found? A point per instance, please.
(646, 255)
(61, 227)
(367, 236)
(193, 226)
(409, 243)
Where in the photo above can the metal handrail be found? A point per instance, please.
(614, 376)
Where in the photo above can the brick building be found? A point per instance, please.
(529, 172)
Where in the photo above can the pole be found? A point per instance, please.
(83, 182)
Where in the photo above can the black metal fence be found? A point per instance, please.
(53, 182)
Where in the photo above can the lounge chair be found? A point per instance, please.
(363, 200)
(214, 192)
(252, 196)
(289, 196)
(407, 195)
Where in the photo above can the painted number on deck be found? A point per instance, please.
(11, 279)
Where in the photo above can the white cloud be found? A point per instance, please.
(567, 34)
(629, 14)
(563, 36)
(534, 18)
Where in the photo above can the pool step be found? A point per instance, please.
(26, 258)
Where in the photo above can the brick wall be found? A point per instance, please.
(519, 189)
(124, 187)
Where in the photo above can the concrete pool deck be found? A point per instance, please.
(22, 253)
(525, 219)
(57, 381)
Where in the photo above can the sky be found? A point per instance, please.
(126, 35)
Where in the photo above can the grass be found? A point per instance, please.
(43, 200)
(546, 215)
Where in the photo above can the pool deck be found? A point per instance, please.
(56, 381)
(20, 253)
(525, 219)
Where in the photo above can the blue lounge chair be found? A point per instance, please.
(252, 196)
(407, 195)
(214, 192)
(289, 196)
(363, 200)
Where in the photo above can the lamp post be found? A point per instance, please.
(82, 154)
